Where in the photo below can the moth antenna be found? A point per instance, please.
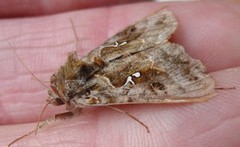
(35, 130)
(131, 116)
(40, 81)
(225, 88)
(21, 137)
(64, 115)
(40, 117)
(75, 34)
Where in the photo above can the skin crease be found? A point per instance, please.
(209, 31)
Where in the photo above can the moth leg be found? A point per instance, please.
(225, 88)
(60, 116)
(131, 116)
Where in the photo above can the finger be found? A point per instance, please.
(16, 8)
(43, 44)
(210, 34)
(170, 125)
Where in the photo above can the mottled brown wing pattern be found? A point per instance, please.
(144, 34)
(137, 65)
(142, 66)
(169, 76)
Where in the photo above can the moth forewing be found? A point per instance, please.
(154, 29)
(166, 73)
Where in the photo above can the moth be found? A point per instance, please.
(138, 65)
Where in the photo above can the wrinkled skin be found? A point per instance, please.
(209, 31)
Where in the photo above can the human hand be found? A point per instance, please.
(209, 31)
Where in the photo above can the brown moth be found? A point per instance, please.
(138, 65)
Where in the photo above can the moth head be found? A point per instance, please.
(69, 79)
